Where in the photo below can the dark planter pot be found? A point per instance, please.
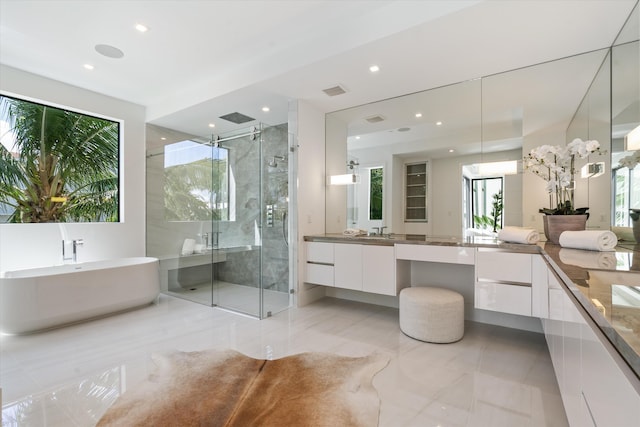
(636, 229)
(554, 225)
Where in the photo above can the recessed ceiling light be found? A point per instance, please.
(265, 109)
(358, 137)
(88, 66)
(374, 68)
(163, 138)
(212, 125)
(109, 51)
(142, 28)
(438, 123)
(418, 115)
(451, 150)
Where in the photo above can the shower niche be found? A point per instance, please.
(217, 217)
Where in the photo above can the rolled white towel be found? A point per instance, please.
(588, 259)
(519, 235)
(188, 246)
(593, 240)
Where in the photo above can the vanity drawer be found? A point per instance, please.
(320, 252)
(503, 298)
(503, 266)
(448, 254)
(319, 274)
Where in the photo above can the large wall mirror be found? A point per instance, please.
(464, 135)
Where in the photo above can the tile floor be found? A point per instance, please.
(494, 376)
(245, 299)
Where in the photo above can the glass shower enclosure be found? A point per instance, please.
(217, 217)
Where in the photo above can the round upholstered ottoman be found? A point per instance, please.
(432, 314)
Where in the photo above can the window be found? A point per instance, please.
(375, 193)
(196, 182)
(486, 203)
(57, 165)
(626, 194)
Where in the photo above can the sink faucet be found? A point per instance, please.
(376, 232)
(382, 229)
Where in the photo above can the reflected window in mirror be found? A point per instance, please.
(196, 182)
(57, 165)
(375, 193)
(626, 194)
(486, 203)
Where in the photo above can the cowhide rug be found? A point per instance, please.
(227, 388)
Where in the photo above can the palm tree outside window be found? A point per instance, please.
(57, 165)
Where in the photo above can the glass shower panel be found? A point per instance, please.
(180, 212)
(237, 280)
(276, 220)
(218, 217)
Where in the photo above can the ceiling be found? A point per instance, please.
(203, 59)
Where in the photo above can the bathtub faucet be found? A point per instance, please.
(76, 243)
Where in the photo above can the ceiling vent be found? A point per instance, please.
(374, 119)
(334, 91)
(237, 118)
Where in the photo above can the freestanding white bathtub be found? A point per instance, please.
(43, 298)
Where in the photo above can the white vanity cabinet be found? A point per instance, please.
(593, 385)
(320, 265)
(503, 281)
(348, 266)
(379, 270)
(368, 268)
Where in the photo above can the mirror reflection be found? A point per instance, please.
(461, 134)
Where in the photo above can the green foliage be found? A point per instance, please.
(493, 221)
(188, 188)
(565, 208)
(375, 195)
(496, 211)
(62, 155)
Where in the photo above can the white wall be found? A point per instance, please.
(311, 185)
(32, 245)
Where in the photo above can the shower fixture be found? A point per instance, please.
(273, 163)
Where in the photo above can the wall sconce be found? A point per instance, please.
(632, 140)
(592, 170)
(346, 179)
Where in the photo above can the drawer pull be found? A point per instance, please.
(505, 282)
(319, 263)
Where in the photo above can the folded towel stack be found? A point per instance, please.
(519, 235)
(353, 232)
(592, 240)
(584, 259)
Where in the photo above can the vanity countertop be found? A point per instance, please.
(421, 239)
(605, 284)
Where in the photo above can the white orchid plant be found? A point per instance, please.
(556, 165)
